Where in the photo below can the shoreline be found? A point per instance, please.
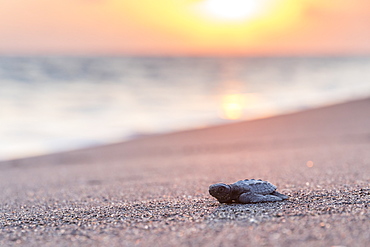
(145, 137)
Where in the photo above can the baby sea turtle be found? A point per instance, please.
(246, 191)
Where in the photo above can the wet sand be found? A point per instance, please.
(154, 191)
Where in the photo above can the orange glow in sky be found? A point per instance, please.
(185, 27)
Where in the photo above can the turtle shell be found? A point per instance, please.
(257, 186)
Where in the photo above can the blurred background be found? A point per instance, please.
(80, 73)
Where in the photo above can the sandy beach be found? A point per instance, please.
(154, 191)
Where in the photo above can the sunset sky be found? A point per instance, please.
(185, 27)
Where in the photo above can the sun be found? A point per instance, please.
(231, 10)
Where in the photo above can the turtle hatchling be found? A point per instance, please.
(246, 191)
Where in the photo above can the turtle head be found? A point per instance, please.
(222, 192)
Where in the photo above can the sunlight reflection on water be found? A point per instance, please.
(240, 106)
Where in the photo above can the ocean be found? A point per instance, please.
(53, 104)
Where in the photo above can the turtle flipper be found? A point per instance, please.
(275, 193)
(254, 198)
